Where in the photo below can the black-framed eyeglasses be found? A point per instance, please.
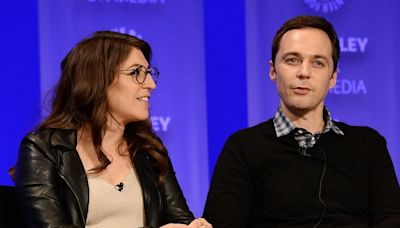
(140, 73)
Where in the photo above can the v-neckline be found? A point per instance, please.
(124, 180)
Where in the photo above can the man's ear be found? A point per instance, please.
(332, 81)
(272, 72)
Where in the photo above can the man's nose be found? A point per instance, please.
(304, 70)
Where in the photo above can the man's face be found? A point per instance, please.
(303, 70)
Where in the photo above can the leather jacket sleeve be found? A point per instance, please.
(38, 185)
(177, 210)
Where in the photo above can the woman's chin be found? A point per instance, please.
(139, 118)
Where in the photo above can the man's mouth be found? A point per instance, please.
(301, 90)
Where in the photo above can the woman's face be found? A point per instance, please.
(128, 101)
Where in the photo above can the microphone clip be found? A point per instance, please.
(303, 152)
(119, 186)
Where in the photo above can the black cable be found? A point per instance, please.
(321, 180)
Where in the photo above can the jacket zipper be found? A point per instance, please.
(76, 197)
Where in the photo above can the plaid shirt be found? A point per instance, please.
(304, 138)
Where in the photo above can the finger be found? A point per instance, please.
(195, 223)
(174, 225)
(204, 222)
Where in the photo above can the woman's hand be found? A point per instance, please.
(174, 225)
(197, 223)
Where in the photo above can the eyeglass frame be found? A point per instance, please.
(137, 69)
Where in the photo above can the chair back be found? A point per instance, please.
(10, 215)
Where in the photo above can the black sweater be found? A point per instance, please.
(263, 181)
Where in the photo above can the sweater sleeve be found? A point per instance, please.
(383, 186)
(230, 195)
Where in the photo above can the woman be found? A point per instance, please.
(95, 161)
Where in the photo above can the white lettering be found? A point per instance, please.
(353, 44)
(165, 122)
(131, 1)
(128, 31)
(160, 123)
(155, 123)
(361, 87)
(362, 43)
(342, 45)
(345, 87)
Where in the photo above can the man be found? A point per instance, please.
(301, 168)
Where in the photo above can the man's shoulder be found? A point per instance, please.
(358, 131)
(250, 143)
(263, 129)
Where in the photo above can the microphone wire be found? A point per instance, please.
(321, 180)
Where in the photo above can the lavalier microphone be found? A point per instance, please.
(119, 186)
(303, 152)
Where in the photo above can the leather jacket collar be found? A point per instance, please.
(54, 155)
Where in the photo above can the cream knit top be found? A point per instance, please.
(109, 208)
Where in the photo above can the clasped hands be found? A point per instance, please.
(197, 223)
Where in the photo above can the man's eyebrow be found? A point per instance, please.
(298, 54)
(290, 53)
(320, 57)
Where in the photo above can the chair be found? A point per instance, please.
(10, 215)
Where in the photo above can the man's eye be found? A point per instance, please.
(292, 60)
(318, 63)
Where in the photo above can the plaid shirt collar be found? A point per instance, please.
(284, 126)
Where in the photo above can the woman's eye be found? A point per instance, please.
(134, 72)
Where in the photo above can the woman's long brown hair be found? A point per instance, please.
(80, 98)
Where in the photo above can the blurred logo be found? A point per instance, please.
(353, 44)
(346, 87)
(128, 31)
(131, 1)
(160, 123)
(326, 6)
(349, 86)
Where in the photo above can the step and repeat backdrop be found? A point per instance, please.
(186, 109)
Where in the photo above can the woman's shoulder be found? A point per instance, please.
(51, 137)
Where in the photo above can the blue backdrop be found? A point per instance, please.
(366, 92)
(213, 58)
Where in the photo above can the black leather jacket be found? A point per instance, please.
(52, 189)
